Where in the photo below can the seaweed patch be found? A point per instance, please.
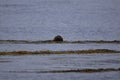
(69, 71)
(54, 41)
(96, 51)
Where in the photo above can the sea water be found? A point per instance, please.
(30, 67)
(72, 19)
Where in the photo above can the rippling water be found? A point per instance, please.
(31, 67)
(74, 20)
(57, 47)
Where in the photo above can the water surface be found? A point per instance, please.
(30, 67)
(73, 19)
(57, 47)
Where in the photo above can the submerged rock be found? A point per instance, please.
(58, 38)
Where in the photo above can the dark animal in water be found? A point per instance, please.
(58, 38)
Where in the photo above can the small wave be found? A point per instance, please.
(13, 5)
(69, 71)
(51, 41)
(95, 51)
(5, 61)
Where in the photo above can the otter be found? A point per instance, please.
(58, 38)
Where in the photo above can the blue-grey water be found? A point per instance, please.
(74, 20)
(29, 67)
(57, 47)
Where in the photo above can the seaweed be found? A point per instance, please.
(52, 41)
(96, 51)
(70, 71)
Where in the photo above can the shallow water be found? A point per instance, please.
(30, 67)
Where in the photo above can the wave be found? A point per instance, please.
(13, 5)
(51, 41)
(69, 71)
(95, 51)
